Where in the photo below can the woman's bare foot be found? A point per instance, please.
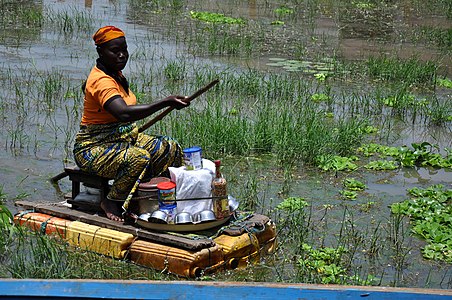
(111, 210)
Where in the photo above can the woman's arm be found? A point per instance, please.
(124, 113)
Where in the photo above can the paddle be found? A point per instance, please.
(169, 109)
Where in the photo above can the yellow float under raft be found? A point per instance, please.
(243, 240)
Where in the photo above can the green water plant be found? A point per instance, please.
(5, 214)
(321, 265)
(430, 212)
(351, 188)
(326, 265)
(380, 165)
(294, 212)
(377, 149)
(353, 184)
(210, 17)
(324, 66)
(283, 10)
(277, 23)
(363, 5)
(410, 71)
(320, 97)
(348, 195)
(292, 204)
(444, 82)
(337, 163)
(420, 154)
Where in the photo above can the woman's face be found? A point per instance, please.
(113, 54)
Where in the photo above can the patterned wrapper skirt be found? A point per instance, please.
(118, 151)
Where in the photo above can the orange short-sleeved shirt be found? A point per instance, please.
(99, 88)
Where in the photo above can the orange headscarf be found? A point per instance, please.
(107, 33)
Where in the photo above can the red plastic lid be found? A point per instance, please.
(152, 184)
(166, 185)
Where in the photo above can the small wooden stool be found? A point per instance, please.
(77, 176)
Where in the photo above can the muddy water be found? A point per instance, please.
(35, 147)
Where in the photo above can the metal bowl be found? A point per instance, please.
(144, 217)
(233, 203)
(183, 218)
(159, 216)
(205, 216)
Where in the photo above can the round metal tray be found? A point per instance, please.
(182, 227)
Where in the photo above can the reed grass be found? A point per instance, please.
(409, 72)
(26, 15)
(70, 21)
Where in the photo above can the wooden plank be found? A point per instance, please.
(64, 212)
(131, 289)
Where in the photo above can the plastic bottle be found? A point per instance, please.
(219, 193)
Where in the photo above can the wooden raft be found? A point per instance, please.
(64, 212)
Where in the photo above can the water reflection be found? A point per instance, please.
(424, 176)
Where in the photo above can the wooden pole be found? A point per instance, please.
(169, 109)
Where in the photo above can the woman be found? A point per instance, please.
(108, 143)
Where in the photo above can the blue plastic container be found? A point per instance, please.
(193, 158)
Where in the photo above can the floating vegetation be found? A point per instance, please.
(382, 150)
(283, 10)
(421, 154)
(365, 5)
(381, 165)
(320, 97)
(292, 204)
(305, 66)
(349, 195)
(210, 17)
(353, 184)
(403, 101)
(325, 265)
(337, 163)
(278, 23)
(446, 82)
(430, 212)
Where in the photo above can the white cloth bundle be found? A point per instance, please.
(193, 184)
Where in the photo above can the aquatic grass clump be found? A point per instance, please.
(214, 39)
(25, 15)
(411, 72)
(238, 118)
(294, 212)
(174, 70)
(70, 21)
(441, 37)
(317, 263)
(440, 113)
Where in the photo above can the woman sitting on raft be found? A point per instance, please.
(108, 143)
